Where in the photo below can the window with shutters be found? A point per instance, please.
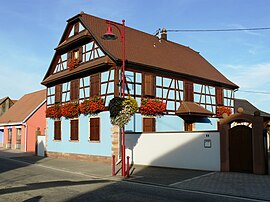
(57, 130)
(149, 85)
(149, 124)
(74, 89)
(74, 129)
(94, 85)
(94, 129)
(58, 93)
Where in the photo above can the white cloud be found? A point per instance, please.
(254, 78)
(249, 76)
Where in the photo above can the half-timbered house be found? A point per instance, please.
(85, 65)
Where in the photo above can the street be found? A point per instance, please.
(20, 181)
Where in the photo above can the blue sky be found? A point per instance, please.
(31, 29)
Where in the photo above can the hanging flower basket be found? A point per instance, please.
(70, 110)
(223, 110)
(73, 63)
(121, 110)
(92, 106)
(54, 112)
(152, 107)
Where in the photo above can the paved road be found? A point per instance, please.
(21, 181)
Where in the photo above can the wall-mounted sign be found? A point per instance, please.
(207, 143)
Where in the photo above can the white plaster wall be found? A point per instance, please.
(176, 150)
(41, 140)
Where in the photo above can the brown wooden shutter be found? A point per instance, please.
(57, 130)
(149, 85)
(94, 85)
(188, 91)
(69, 56)
(94, 129)
(74, 89)
(219, 96)
(80, 54)
(58, 93)
(149, 124)
(74, 130)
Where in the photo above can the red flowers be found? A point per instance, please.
(73, 62)
(152, 107)
(70, 110)
(92, 106)
(223, 110)
(54, 111)
(73, 109)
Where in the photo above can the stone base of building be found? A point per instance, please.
(81, 157)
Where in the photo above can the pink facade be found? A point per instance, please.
(28, 131)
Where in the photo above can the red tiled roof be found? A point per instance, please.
(146, 49)
(23, 107)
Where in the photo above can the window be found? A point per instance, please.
(94, 85)
(149, 85)
(149, 124)
(94, 129)
(74, 89)
(18, 135)
(205, 96)
(74, 129)
(58, 93)
(57, 130)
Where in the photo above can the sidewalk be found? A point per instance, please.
(234, 184)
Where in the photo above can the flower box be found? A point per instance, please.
(73, 63)
(54, 112)
(152, 107)
(223, 110)
(92, 106)
(70, 110)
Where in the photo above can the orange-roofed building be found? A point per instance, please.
(23, 121)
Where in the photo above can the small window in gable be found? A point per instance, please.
(61, 64)
(91, 51)
(71, 32)
(81, 27)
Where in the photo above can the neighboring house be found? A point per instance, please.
(155, 68)
(5, 104)
(22, 120)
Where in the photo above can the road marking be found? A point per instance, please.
(190, 179)
(159, 186)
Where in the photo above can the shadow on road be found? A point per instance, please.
(51, 184)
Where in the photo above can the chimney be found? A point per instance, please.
(164, 34)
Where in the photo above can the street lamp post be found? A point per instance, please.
(110, 36)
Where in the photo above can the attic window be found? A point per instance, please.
(76, 28)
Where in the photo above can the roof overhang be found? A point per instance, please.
(192, 112)
(66, 75)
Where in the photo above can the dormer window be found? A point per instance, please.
(76, 28)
